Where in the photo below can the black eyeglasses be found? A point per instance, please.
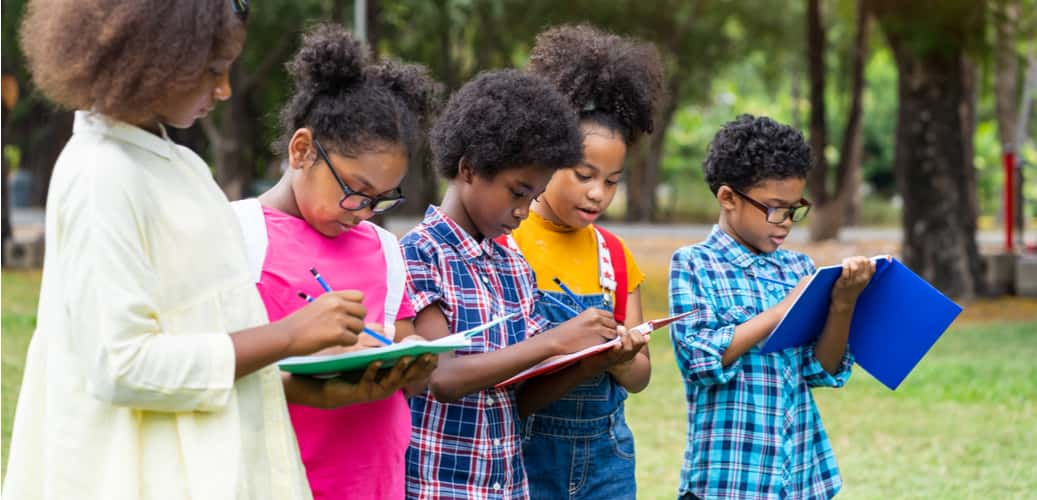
(354, 201)
(778, 215)
(240, 8)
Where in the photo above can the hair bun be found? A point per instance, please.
(410, 83)
(600, 72)
(330, 60)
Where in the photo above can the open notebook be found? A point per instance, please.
(357, 361)
(897, 319)
(556, 363)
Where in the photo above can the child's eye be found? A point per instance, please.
(611, 182)
(581, 177)
(517, 195)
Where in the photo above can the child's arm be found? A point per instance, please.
(539, 392)
(334, 318)
(708, 345)
(457, 376)
(831, 345)
(633, 371)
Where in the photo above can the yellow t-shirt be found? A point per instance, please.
(572, 256)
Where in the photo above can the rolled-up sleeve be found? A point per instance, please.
(424, 282)
(700, 339)
(131, 356)
(814, 372)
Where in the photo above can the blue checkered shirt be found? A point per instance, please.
(470, 448)
(754, 431)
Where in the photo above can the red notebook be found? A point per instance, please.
(556, 363)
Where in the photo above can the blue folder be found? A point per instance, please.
(898, 318)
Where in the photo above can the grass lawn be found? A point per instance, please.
(963, 425)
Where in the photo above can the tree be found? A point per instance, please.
(832, 205)
(934, 169)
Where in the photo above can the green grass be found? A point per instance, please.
(961, 426)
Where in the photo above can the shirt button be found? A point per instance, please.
(485, 279)
(496, 442)
(489, 401)
(770, 288)
(496, 486)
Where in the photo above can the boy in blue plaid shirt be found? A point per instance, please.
(753, 429)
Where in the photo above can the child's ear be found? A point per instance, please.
(726, 198)
(464, 172)
(300, 148)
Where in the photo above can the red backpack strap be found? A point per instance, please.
(619, 265)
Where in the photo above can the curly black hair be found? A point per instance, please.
(122, 58)
(752, 149)
(505, 119)
(611, 80)
(354, 105)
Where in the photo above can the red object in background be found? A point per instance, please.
(1008, 158)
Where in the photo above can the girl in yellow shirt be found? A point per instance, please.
(580, 446)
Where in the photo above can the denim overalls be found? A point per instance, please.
(580, 446)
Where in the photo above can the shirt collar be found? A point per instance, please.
(97, 123)
(444, 229)
(735, 252)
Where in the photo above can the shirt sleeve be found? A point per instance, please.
(131, 358)
(700, 339)
(424, 281)
(814, 372)
(535, 322)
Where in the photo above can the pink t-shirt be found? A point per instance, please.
(357, 451)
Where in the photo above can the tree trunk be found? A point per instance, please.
(832, 207)
(647, 159)
(933, 176)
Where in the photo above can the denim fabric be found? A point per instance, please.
(580, 447)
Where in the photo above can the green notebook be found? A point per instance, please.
(358, 360)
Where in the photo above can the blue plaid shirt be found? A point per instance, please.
(470, 448)
(753, 429)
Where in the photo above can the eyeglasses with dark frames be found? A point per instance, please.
(354, 201)
(778, 215)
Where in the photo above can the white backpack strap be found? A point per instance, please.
(395, 277)
(253, 227)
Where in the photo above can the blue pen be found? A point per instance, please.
(570, 293)
(323, 284)
(385, 340)
(560, 303)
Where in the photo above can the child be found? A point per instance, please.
(753, 429)
(348, 133)
(497, 143)
(580, 446)
(149, 374)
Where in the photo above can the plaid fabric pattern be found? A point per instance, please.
(753, 429)
(470, 448)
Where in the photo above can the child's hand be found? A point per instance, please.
(333, 319)
(857, 271)
(593, 326)
(407, 370)
(622, 354)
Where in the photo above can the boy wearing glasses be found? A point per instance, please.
(753, 429)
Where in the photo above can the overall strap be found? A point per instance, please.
(395, 276)
(253, 227)
(613, 258)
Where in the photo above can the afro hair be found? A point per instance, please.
(610, 80)
(752, 149)
(124, 59)
(505, 119)
(354, 105)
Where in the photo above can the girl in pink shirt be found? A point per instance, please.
(348, 132)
